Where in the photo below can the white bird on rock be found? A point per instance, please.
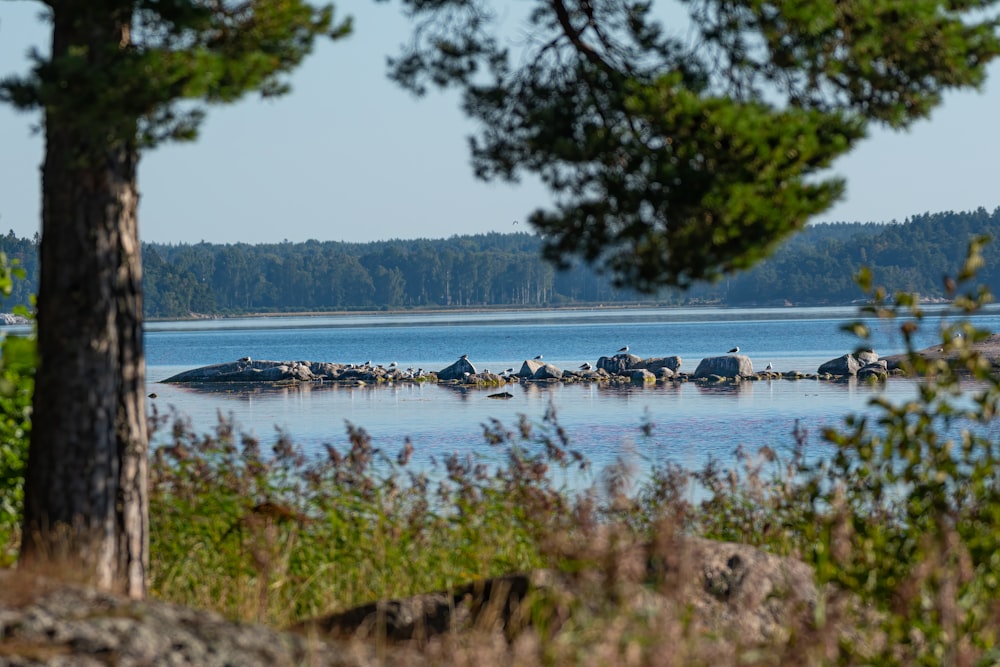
(735, 350)
(624, 349)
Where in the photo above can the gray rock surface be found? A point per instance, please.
(641, 376)
(878, 370)
(457, 370)
(547, 372)
(618, 364)
(729, 366)
(845, 365)
(71, 625)
(866, 357)
(654, 364)
(529, 367)
(727, 590)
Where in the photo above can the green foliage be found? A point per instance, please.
(282, 537)
(17, 372)
(911, 502)
(676, 160)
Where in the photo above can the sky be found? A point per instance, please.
(349, 156)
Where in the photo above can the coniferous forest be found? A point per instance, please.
(815, 267)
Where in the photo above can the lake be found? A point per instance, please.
(690, 421)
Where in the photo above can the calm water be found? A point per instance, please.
(690, 422)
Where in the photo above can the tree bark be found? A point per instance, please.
(86, 506)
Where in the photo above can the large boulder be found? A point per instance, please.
(529, 367)
(457, 371)
(733, 592)
(866, 357)
(641, 376)
(547, 372)
(654, 364)
(729, 366)
(845, 365)
(618, 364)
(878, 370)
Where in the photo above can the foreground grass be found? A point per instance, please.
(279, 538)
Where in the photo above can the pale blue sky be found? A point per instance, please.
(348, 156)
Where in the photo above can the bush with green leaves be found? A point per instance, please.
(908, 508)
(17, 381)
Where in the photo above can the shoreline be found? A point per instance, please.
(597, 306)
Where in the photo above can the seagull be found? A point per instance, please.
(735, 350)
(585, 366)
(770, 366)
(538, 357)
(624, 349)
(245, 360)
(393, 365)
(464, 356)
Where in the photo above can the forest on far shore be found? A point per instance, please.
(815, 267)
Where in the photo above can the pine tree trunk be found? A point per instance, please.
(86, 506)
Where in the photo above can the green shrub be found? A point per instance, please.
(17, 382)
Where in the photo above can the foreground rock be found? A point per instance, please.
(719, 599)
(727, 590)
(42, 623)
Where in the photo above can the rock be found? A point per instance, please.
(326, 370)
(739, 591)
(60, 624)
(618, 364)
(427, 615)
(654, 364)
(457, 370)
(878, 370)
(865, 357)
(726, 590)
(547, 372)
(529, 367)
(641, 376)
(248, 371)
(729, 366)
(845, 365)
(502, 395)
(665, 374)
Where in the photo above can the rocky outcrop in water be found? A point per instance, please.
(458, 370)
(845, 365)
(729, 366)
(655, 364)
(618, 364)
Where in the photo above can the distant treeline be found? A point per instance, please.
(813, 268)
